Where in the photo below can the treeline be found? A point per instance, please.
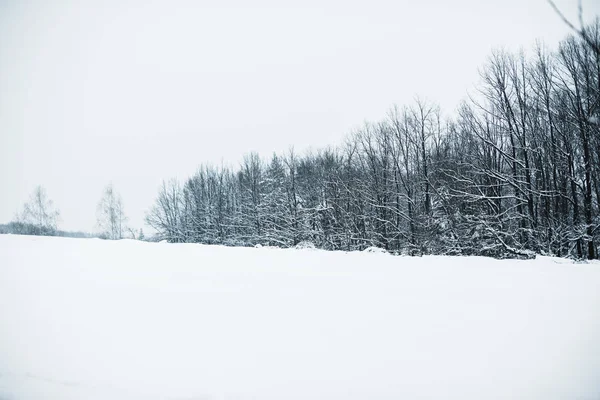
(515, 172)
(24, 228)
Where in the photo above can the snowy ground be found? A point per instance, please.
(92, 319)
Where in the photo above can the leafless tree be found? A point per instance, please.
(582, 31)
(110, 215)
(166, 216)
(39, 213)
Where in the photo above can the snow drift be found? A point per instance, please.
(92, 319)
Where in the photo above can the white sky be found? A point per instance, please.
(133, 92)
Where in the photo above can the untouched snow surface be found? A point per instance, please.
(91, 319)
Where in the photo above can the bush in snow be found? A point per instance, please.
(374, 249)
(305, 245)
(234, 243)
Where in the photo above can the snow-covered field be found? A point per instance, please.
(91, 319)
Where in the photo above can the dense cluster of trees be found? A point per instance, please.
(515, 172)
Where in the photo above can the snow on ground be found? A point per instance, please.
(92, 319)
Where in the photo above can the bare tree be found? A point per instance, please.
(582, 31)
(39, 214)
(110, 215)
(167, 216)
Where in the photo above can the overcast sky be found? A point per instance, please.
(134, 92)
